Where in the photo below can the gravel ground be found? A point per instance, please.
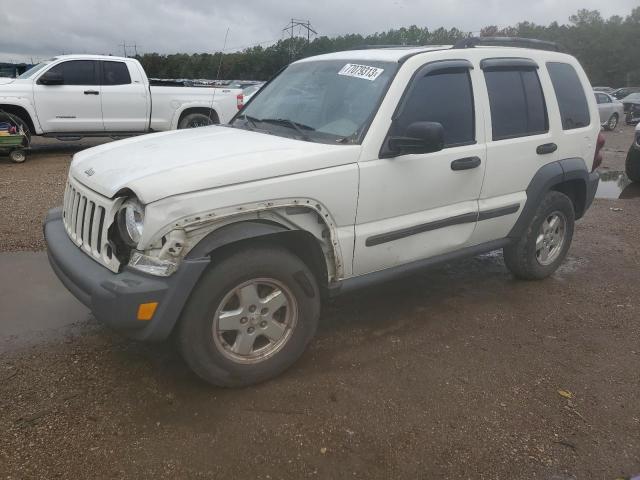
(459, 372)
(29, 189)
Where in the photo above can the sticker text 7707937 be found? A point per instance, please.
(364, 72)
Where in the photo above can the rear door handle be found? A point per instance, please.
(546, 148)
(91, 92)
(466, 163)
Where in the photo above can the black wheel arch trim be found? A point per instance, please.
(234, 232)
(552, 175)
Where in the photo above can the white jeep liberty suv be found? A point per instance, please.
(346, 169)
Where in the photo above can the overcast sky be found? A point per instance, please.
(41, 28)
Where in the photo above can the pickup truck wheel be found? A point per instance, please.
(632, 164)
(544, 245)
(250, 317)
(195, 120)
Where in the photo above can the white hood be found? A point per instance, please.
(5, 80)
(171, 163)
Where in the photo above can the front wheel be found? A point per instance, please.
(250, 317)
(612, 123)
(544, 245)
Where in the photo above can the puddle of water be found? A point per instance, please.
(616, 185)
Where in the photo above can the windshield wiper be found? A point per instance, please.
(299, 127)
(249, 119)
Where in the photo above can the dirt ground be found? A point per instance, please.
(459, 372)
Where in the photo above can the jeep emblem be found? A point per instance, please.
(90, 172)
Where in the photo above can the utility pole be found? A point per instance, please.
(301, 24)
(124, 48)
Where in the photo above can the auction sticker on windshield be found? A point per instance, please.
(361, 71)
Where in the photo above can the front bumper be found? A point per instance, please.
(114, 297)
(633, 115)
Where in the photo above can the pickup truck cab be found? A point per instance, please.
(93, 95)
(346, 169)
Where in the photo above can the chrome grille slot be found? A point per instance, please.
(87, 217)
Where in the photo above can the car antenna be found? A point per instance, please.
(224, 47)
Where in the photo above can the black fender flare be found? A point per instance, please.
(234, 232)
(549, 176)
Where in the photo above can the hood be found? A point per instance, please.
(163, 164)
(5, 80)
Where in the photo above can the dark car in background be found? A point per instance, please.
(631, 105)
(13, 70)
(624, 91)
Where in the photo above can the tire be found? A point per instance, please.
(219, 355)
(632, 164)
(196, 120)
(527, 261)
(17, 156)
(612, 123)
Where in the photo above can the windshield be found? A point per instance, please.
(322, 101)
(634, 97)
(29, 73)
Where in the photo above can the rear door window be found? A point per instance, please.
(517, 104)
(115, 73)
(574, 109)
(446, 97)
(78, 72)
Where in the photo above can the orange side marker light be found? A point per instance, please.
(146, 310)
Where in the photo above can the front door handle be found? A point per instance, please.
(91, 92)
(546, 148)
(466, 163)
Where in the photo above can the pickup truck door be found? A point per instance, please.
(73, 106)
(125, 98)
(416, 206)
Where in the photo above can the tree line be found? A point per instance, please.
(606, 48)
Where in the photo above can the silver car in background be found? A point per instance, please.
(611, 110)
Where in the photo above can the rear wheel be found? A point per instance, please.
(196, 120)
(544, 245)
(250, 317)
(632, 164)
(612, 123)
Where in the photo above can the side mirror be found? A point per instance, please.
(51, 78)
(419, 137)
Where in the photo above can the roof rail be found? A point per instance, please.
(471, 42)
(372, 47)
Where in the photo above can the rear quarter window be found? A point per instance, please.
(572, 101)
(517, 103)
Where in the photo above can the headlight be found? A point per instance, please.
(131, 221)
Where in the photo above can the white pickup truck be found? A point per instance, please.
(93, 95)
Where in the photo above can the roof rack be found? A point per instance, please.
(471, 42)
(373, 47)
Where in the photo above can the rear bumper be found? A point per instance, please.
(592, 186)
(114, 297)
